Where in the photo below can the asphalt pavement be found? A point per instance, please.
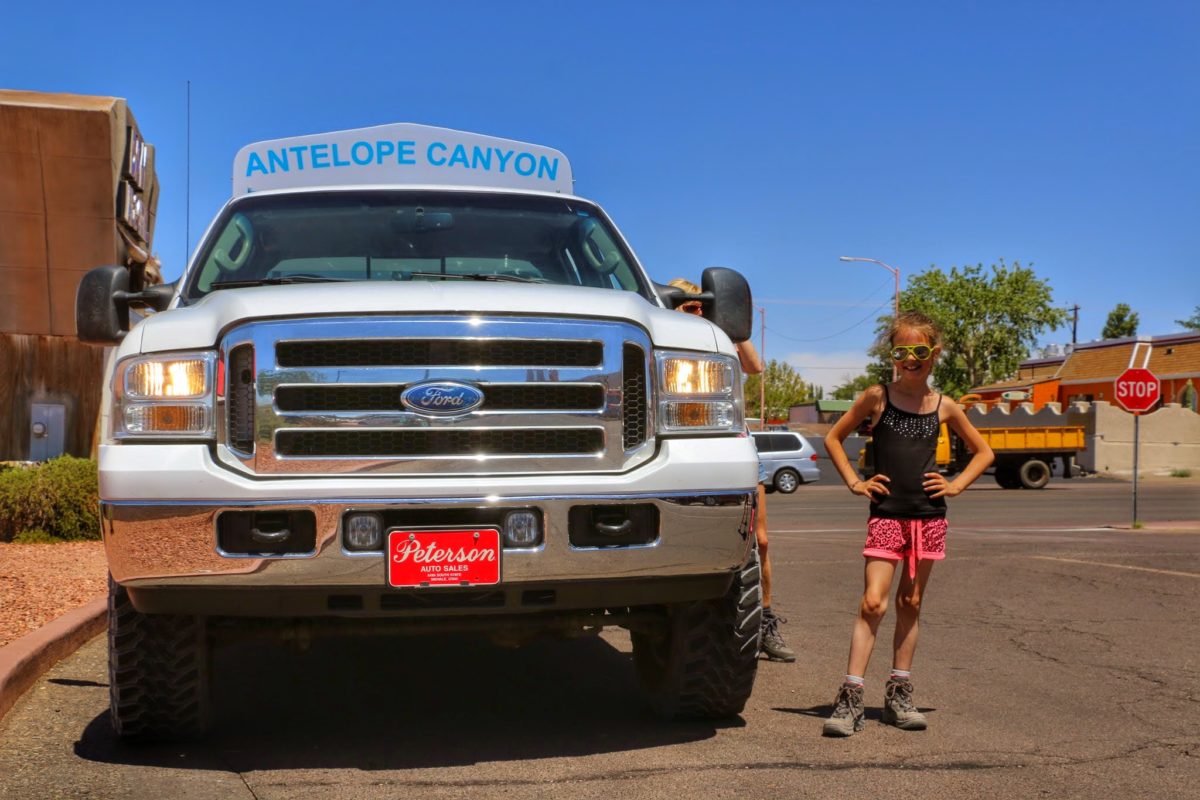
(1058, 658)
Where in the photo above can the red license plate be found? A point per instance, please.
(443, 558)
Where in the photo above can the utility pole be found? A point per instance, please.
(1074, 321)
(762, 382)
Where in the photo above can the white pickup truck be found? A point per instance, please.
(410, 381)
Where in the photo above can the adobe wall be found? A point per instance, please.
(1169, 437)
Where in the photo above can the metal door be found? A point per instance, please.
(46, 431)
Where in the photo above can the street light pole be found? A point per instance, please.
(895, 274)
(762, 381)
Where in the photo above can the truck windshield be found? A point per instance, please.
(412, 236)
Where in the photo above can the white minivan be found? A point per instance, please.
(789, 459)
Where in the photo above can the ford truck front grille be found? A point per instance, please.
(633, 388)
(323, 396)
(528, 397)
(442, 352)
(441, 442)
(240, 379)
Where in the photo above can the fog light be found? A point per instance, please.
(364, 532)
(522, 529)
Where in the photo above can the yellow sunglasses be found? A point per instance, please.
(921, 352)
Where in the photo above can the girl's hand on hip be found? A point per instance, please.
(937, 485)
(875, 485)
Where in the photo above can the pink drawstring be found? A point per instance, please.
(914, 552)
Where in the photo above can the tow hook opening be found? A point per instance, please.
(616, 525)
(267, 533)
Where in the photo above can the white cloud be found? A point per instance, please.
(828, 369)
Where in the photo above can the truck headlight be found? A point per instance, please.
(698, 393)
(167, 395)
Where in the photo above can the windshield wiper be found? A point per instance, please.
(448, 276)
(278, 281)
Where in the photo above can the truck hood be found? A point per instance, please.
(201, 325)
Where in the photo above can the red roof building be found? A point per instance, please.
(1089, 370)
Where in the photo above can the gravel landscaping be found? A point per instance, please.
(39, 582)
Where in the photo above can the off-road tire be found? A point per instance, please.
(787, 480)
(1034, 474)
(157, 672)
(702, 662)
(1007, 476)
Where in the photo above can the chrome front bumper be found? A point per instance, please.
(172, 546)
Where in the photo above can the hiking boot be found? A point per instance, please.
(898, 708)
(849, 713)
(770, 642)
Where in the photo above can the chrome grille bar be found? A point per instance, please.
(536, 418)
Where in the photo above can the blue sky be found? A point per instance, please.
(771, 138)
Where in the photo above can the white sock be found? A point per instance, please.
(901, 674)
(855, 679)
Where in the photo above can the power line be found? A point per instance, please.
(861, 304)
(878, 308)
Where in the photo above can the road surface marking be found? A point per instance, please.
(1119, 566)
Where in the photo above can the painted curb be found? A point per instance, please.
(23, 661)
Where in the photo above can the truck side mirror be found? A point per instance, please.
(731, 308)
(99, 317)
(102, 304)
(672, 296)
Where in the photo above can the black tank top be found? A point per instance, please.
(905, 449)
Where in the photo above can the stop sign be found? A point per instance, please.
(1137, 390)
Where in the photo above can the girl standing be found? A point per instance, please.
(907, 522)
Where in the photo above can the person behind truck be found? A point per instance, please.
(907, 521)
(770, 641)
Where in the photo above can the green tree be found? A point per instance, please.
(785, 388)
(1192, 324)
(990, 319)
(1121, 323)
(853, 387)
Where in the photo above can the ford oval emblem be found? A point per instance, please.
(442, 398)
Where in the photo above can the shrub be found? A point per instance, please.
(1181, 473)
(34, 536)
(59, 499)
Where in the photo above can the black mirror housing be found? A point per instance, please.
(672, 296)
(100, 317)
(731, 307)
(156, 297)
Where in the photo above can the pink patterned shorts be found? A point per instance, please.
(915, 539)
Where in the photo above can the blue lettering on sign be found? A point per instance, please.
(362, 161)
(459, 156)
(383, 149)
(364, 153)
(531, 161)
(255, 163)
(319, 153)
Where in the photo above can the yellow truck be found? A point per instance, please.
(1024, 454)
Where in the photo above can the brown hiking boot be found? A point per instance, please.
(771, 642)
(849, 713)
(898, 708)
